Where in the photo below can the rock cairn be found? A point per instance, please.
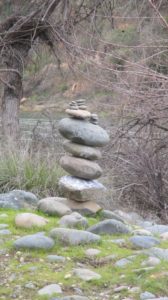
(83, 136)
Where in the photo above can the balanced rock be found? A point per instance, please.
(28, 220)
(82, 151)
(74, 236)
(109, 227)
(83, 132)
(34, 241)
(80, 167)
(73, 220)
(80, 189)
(78, 113)
(53, 206)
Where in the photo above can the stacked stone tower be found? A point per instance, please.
(83, 136)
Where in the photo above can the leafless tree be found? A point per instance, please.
(50, 21)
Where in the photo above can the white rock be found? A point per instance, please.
(50, 290)
(92, 252)
(28, 220)
(86, 274)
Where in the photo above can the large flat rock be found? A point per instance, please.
(74, 236)
(80, 189)
(83, 132)
(81, 167)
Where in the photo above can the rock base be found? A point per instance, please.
(81, 190)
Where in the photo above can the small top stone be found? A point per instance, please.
(78, 113)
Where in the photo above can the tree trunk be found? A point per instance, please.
(11, 99)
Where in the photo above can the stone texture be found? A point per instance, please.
(109, 227)
(72, 297)
(5, 232)
(108, 214)
(86, 274)
(87, 208)
(80, 189)
(144, 241)
(50, 289)
(122, 262)
(34, 241)
(73, 236)
(83, 132)
(80, 167)
(158, 229)
(78, 113)
(151, 262)
(158, 252)
(56, 258)
(129, 217)
(18, 199)
(53, 206)
(3, 226)
(164, 236)
(73, 220)
(28, 220)
(141, 231)
(92, 252)
(146, 295)
(82, 151)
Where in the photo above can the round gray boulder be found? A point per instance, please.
(73, 220)
(109, 227)
(34, 241)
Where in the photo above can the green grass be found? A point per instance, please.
(22, 170)
(132, 275)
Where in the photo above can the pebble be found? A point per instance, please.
(86, 274)
(109, 227)
(34, 241)
(73, 236)
(164, 236)
(50, 289)
(122, 262)
(143, 241)
(146, 296)
(74, 220)
(3, 226)
(30, 285)
(92, 252)
(4, 232)
(56, 258)
(151, 262)
(29, 220)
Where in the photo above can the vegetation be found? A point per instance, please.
(38, 172)
(22, 263)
